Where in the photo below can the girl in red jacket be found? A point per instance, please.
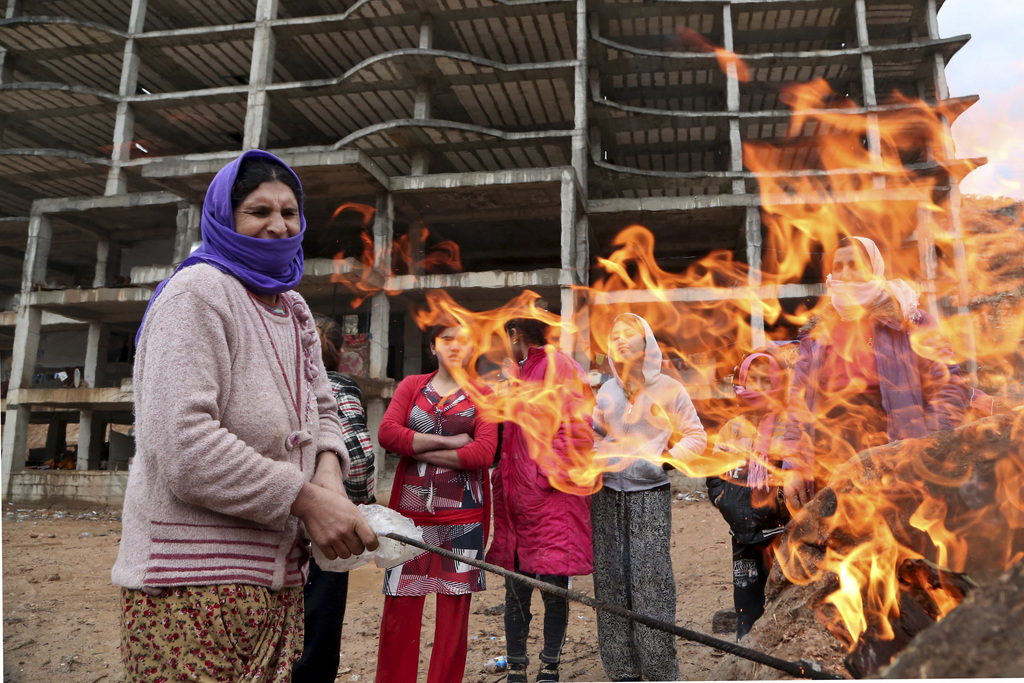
(538, 530)
(440, 484)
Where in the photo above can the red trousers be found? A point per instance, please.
(399, 655)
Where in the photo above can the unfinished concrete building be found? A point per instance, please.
(526, 132)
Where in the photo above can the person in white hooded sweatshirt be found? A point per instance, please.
(643, 420)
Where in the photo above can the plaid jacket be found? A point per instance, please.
(359, 482)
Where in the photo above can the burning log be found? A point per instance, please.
(980, 638)
(881, 555)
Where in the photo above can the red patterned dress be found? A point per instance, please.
(447, 503)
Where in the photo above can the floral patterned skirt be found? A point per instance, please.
(229, 632)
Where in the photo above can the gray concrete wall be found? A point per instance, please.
(49, 487)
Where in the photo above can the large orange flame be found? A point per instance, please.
(842, 170)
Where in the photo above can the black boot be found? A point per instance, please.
(516, 673)
(548, 673)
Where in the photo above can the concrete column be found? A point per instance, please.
(383, 232)
(754, 256)
(568, 223)
(580, 103)
(124, 121)
(15, 441)
(732, 98)
(23, 359)
(380, 318)
(583, 352)
(108, 258)
(938, 63)
(929, 264)
(380, 306)
(6, 67)
(417, 247)
(37, 251)
(570, 311)
(92, 432)
(568, 258)
(412, 341)
(56, 437)
(261, 73)
(867, 72)
(96, 345)
(421, 101)
(374, 414)
(14, 9)
(187, 230)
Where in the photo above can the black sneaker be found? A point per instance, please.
(548, 674)
(516, 673)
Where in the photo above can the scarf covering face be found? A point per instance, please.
(852, 300)
(263, 266)
(771, 401)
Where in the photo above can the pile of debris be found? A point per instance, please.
(972, 481)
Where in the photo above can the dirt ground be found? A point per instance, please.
(60, 619)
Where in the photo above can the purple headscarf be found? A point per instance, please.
(263, 266)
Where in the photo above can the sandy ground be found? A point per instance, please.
(60, 620)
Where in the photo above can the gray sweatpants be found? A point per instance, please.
(633, 569)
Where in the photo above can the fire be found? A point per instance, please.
(540, 408)
(842, 170)
(367, 276)
(873, 181)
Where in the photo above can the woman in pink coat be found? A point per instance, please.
(538, 530)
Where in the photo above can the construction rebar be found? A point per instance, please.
(799, 669)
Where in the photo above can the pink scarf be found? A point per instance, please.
(757, 472)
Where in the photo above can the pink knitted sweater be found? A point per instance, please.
(232, 404)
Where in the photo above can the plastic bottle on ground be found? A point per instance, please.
(496, 665)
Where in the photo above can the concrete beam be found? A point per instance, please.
(188, 165)
(105, 398)
(702, 294)
(85, 204)
(93, 305)
(495, 279)
(10, 319)
(449, 181)
(143, 276)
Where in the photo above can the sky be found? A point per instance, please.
(990, 65)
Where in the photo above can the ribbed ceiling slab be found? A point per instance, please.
(26, 175)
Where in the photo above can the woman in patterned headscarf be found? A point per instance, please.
(872, 369)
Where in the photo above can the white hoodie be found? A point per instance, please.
(632, 441)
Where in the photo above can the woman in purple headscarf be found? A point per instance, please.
(238, 443)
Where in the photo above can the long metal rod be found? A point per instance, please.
(798, 669)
